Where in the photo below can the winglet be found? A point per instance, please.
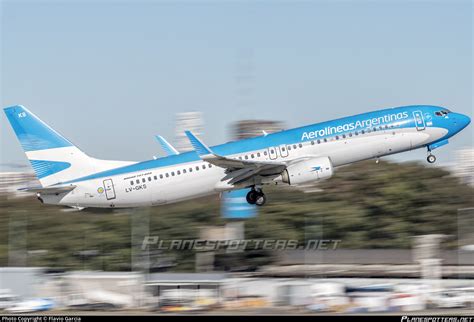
(169, 149)
(201, 148)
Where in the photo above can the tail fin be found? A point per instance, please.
(53, 158)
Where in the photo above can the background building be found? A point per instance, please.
(10, 182)
(251, 128)
(464, 165)
(187, 121)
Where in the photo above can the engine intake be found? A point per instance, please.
(307, 171)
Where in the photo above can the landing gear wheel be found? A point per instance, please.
(252, 197)
(261, 199)
(431, 158)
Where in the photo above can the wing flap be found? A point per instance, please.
(206, 154)
(238, 170)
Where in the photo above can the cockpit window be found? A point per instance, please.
(442, 112)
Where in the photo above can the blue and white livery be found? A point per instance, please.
(293, 157)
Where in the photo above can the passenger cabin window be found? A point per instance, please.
(155, 177)
(161, 176)
(131, 182)
(300, 145)
(149, 178)
(178, 172)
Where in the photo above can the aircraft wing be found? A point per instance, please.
(49, 190)
(169, 149)
(237, 170)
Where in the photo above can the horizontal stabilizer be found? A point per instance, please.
(49, 190)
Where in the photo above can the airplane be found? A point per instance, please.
(291, 157)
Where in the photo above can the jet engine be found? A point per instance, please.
(307, 171)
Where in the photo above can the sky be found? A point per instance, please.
(109, 75)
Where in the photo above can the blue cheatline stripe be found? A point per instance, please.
(45, 168)
(262, 142)
(33, 133)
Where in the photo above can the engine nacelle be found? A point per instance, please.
(307, 171)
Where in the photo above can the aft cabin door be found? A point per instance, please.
(109, 189)
(419, 120)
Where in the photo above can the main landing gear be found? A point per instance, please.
(256, 197)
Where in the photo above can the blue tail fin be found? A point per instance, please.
(33, 133)
(53, 158)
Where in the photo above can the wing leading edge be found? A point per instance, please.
(237, 170)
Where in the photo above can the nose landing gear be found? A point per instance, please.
(431, 158)
(256, 197)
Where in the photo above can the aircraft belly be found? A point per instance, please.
(421, 138)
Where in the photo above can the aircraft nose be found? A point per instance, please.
(462, 120)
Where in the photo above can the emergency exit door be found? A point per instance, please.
(109, 189)
(419, 120)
